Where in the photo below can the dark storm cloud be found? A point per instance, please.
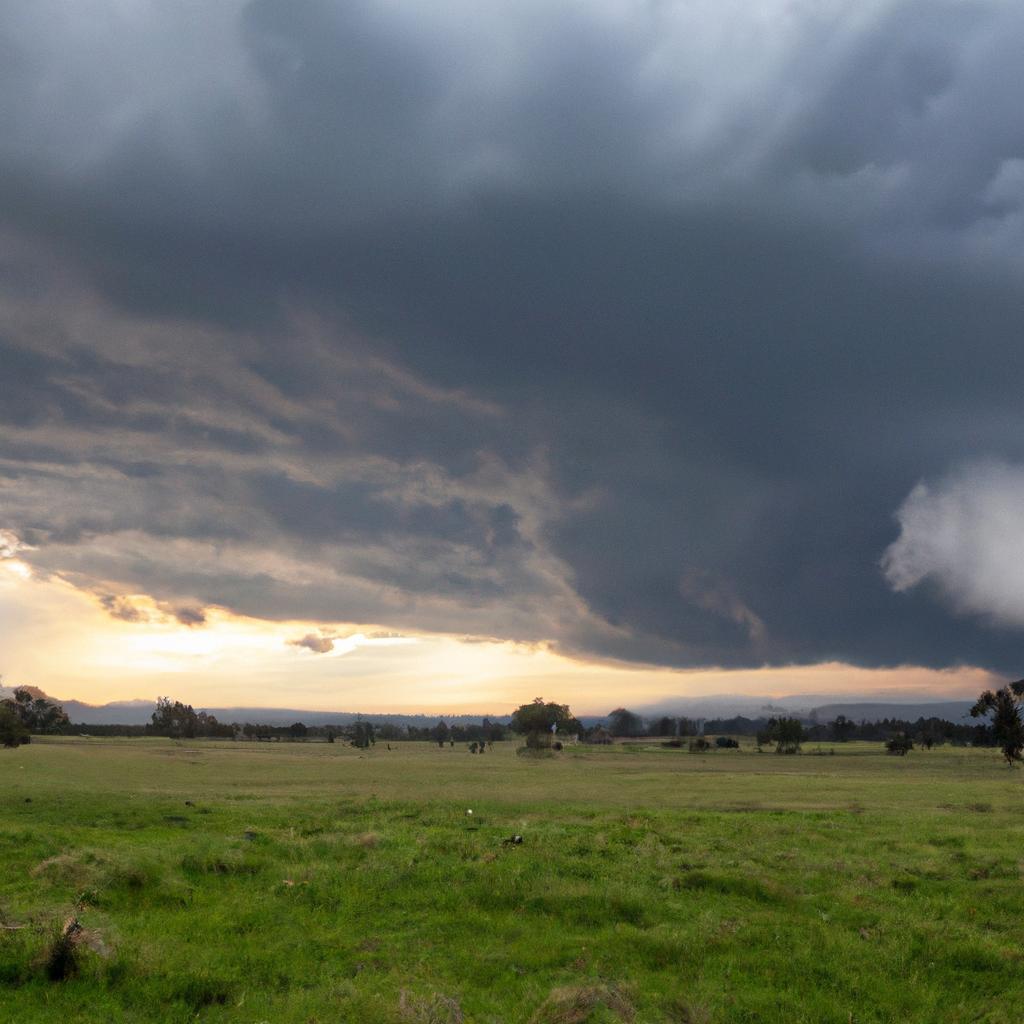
(602, 325)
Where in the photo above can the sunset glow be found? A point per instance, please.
(66, 643)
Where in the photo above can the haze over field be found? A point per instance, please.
(378, 356)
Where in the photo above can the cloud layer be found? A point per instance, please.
(624, 326)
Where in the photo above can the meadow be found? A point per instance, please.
(315, 883)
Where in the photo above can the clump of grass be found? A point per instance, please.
(66, 868)
(60, 958)
(210, 863)
(201, 990)
(726, 884)
(681, 1012)
(434, 1009)
(133, 875)
(579, 1004)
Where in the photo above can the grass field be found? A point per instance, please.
(315, 883)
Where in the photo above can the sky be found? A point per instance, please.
(376, 354)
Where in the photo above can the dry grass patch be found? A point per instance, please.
(434, 1009)
(578, 1004)
(64, 867)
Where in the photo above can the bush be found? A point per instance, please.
(899, 745)
(726, 742)
(13, 731)
(699, 745)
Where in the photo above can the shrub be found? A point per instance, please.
(899, 745)
(13, 731)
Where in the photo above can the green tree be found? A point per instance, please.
(842, 728)
(786, 733)
(1007, 727)
(899, 745)
(37, 714)
(362, 735)
(182, 721)
(12, 729)
(492, 730)
(538, 718)
(625, 723)
(440, 732)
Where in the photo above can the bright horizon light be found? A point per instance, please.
(64, 642)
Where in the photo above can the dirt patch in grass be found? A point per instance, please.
(578, 1004)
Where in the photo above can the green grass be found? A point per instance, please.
(314, 883)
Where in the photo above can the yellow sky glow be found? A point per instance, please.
(60, 639)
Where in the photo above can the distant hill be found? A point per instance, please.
(139, 712)
(810, 707)
(128, 712)
(949, 710)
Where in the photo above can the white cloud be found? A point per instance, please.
(965, 534)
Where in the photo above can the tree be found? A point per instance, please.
(842, 728)
(362, 735)
(625, 723)
(12, 730)
(786, 733)
(440, 732)
(172, 718)
(1007, 727)
(538, 717)
(182, 721)
(492, 730)
(663, 726)
(37, 714)
(900, 744)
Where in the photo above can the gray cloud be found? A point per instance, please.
(189, 616)
(315, 642)
(625, 327)
(122, 608)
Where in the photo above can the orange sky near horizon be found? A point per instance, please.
(60, 639)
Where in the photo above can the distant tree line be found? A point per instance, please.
(547, 723)
(177, 720)
(927, 732)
